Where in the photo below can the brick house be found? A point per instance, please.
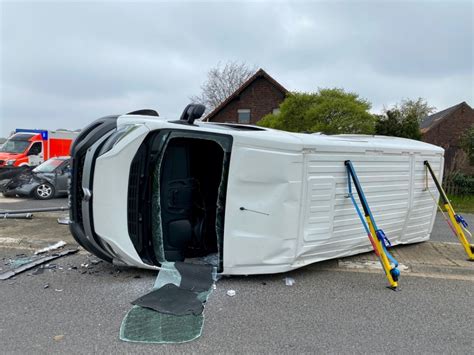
(445, 129)
(256, 97)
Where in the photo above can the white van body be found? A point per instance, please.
(287, 202)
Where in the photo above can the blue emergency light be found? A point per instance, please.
(44, 134)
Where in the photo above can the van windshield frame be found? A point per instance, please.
(14, 146)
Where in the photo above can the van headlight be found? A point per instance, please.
(10, 162)
(116, 137)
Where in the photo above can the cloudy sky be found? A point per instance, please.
(63, 64)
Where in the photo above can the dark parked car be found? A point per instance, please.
(47, 180)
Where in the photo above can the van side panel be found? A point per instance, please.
(394, 184)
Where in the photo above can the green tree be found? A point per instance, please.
(403, 119)
(331, 111)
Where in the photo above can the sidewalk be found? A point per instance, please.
(35, 233)
(429, 259)
(38, 232)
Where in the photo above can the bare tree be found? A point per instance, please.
(222, 81)
(418, 108)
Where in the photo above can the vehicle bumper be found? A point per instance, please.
(23, 191)
(110, 196)
(98, 192)
(83, 154)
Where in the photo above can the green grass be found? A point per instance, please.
(462, 203)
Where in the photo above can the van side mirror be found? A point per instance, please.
(192, 112)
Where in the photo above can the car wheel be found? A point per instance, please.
(44, 191)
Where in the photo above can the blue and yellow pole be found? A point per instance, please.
(375, 235)
(456, 220)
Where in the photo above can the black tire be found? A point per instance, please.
(44, 191)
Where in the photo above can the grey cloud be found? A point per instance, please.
(64, 64)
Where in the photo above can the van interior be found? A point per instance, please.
(189, 181)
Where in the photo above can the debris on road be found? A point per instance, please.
(64, 220)
(4, 215)
(231, 293)
(289, 281)
(42, 209)
(171, 299)
(21, 260)
(58, 337)
(173, 311)
(55, 246)
(10, 273)
(38, 271)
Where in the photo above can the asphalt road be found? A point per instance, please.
(325, 311)
(24, 203)
(443, 233)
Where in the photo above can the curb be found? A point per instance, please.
(444, 260)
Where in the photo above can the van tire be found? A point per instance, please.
(44, 191)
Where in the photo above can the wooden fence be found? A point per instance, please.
(451, 188)
(458, 187)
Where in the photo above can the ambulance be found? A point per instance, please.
(31, 147)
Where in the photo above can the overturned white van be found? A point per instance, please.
(145, 190)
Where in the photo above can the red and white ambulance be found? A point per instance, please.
(31, 147)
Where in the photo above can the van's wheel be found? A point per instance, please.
(43, 191)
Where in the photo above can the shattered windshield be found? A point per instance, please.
(48, 166)
(14, 146)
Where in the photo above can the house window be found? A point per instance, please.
(243, 116)
(276, 111)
